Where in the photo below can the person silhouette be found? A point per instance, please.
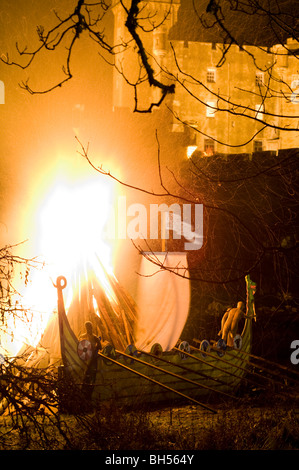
(91, 371)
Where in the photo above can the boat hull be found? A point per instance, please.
(134, 378)
(209, 377)
(143, 378)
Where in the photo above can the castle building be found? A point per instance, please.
(236, 88)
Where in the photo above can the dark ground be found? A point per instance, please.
(254, 421)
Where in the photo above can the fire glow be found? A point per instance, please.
(70, 223)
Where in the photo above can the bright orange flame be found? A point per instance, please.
(70, 226)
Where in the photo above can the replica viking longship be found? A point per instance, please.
(148, 364)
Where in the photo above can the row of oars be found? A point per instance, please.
(133, 357)
(256, 370)
(233, 372)
(156, 382)
(286, 370)
(278, 376)
(243, 372)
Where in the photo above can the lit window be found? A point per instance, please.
(211, 75)
(2, 93)
(259, 108)
(259, 79)
(295, 81)
(257, 145)
(209, 146)
(190, 150)
(211, 109)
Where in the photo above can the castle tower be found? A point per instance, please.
(156, 19)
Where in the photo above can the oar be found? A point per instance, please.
(219, 368)
(156, 382)
(258, 358)
(166, 371)
(197, 372)
(240, 368)
(268, 371)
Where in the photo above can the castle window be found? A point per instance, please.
(209, 146)
(257, 145)
(211, 109)
(295, 81)
(211, 75)
(190, 150)
(2, 93)
(259, 109)
(259, 79)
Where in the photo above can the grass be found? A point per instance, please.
(252, 423)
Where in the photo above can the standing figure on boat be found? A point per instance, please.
(229, 323)
(91, 337)
(90, 374)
